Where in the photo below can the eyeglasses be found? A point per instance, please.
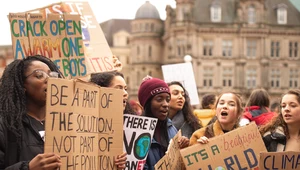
(40, 74)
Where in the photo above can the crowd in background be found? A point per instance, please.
(23, 99)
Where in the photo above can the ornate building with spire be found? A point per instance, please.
(235, 45)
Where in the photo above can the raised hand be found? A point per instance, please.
(203, 140)
(117, 63)
(183, 142)
(120, 161)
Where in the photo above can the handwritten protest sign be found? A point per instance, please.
(138, 134)
(83, 124)
(182, 72)
(279, 160)
(57, 37)
(172, 160)
(238, 149)
(98, 56)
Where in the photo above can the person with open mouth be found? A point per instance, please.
(228, 112)
(154, 95)
(181, 111)
(23, 89)
(282, 133)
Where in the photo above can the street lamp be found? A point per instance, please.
(187, 58)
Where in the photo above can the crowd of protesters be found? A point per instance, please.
(23, 89)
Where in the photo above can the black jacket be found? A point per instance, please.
(31, 144)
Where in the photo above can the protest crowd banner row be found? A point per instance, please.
(85, 123)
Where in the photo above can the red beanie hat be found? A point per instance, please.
(151, 87)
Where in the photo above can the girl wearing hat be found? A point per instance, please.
(154, 96)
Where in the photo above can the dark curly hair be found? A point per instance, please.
(13, 98)
(104, 79)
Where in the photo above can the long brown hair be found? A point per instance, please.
(209, 133)
(259, 97)
(238, 100)
(187, 109)
(278, 120)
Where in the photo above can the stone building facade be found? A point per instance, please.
(236, 45)
(6, 57)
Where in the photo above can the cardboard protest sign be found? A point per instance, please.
(182, 72)
(172, 160)
(57, 37)
(20, 41)
(138, 134)
(98, 56)
(238, 149)
(83, 124)
(279, 160)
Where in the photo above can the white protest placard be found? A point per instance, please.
(182, 72)
(138, 134)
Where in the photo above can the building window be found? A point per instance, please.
(215, 13)
(127, 60)
(251, 78)
(139, 78)
(227, 77)
(127, 80)
(152, 27)
(227, 48)
(181, 48)
(294, 79)
(150, 51)
(275, 78)
(208, 48)
(282, 14)
(275, 49)
(138, 50)
(251, 48)
(208, 75)
(293, 49)
(251, 15)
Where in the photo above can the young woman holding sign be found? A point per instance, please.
(23, 89)
(154, 96)
(228, 113)
(115, 80)
(282, 133)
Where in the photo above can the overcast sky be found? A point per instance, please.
(103, 10)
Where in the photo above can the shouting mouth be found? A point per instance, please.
(224, 113)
